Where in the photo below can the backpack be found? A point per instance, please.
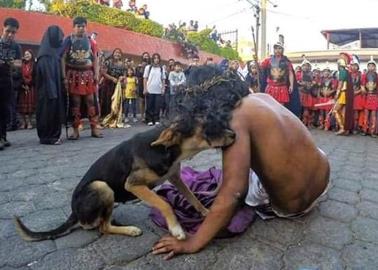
(161, 72)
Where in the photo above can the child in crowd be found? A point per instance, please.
(176, 79)
(130, 94)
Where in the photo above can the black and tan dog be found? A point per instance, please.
(129, 170)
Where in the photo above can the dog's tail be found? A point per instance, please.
(29, 235)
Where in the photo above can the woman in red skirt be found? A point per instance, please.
(26, 97)
(114, 68)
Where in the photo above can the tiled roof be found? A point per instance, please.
(34, 24)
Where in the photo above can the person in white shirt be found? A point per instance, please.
(154, 77)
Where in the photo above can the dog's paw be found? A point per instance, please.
(178, 232)
(134, 231)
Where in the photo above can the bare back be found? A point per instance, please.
(283, 154)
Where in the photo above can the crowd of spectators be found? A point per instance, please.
(217, 38)
(139, 12)
(144, 88)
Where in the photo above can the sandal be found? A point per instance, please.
(58, 142)
(97, 135)
(341, 132)
(73, 137)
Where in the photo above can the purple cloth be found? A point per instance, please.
(204, 185)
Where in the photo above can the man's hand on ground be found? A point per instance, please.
(172, 246)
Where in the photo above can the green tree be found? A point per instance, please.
(105, 15)
(46, 4)
(202, 40)
(13, 3)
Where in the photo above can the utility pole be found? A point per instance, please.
(263, 28)
(257, 16)
(256, 8)
(259, 7)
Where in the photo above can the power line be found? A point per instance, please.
(228, 16)
(272, 3)
(292, 15)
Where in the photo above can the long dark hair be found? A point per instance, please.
(210, 96)
(118, 49)
(149, 58)
(32, 58)
(153, 57)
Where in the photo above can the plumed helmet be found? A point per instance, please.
(355, 60)
(305, 62)
(252, 63)
(371, 61)
(344, 60)
(278, 44)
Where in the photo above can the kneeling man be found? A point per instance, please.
(291, 173)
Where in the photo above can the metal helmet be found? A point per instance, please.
(371, 61)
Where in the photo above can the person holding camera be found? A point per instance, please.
(10, 58)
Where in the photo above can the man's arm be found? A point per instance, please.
(111, 78)
(96, 65)
(145, 79)
(64, 74)
(17, 62)
(291, 81)
(145, 86)
(363, 83)
(291, 78)
(163, 77)
(236, 166)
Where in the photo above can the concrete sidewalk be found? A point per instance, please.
(36, 182)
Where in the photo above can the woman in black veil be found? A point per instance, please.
(50, 108)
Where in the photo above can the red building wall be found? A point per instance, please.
(34, 24)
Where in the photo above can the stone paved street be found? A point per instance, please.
(36, 182)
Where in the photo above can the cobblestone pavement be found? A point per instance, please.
(36, 182)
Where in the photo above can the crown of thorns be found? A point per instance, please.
(206, 85)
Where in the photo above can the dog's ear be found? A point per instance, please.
(168, 137)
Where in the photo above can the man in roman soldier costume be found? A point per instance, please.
(369, 85)
(327, 92)
(80, 74)
(280, 81)
(305, 87)
(343, 109)
(359, 97)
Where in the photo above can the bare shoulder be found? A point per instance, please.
(256, 101)
(255, 107)
(265, 118)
